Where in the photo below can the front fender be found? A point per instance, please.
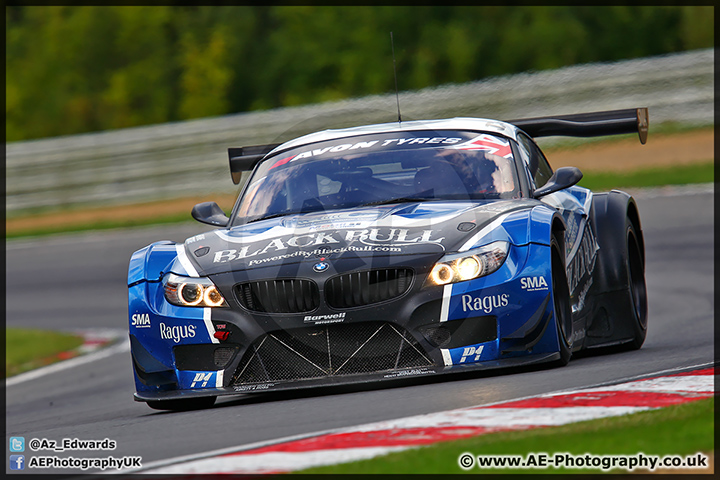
(149, 263)
(543, 222)
(534, 225)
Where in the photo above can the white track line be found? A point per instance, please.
(123, 346)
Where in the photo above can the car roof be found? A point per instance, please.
(457, 123)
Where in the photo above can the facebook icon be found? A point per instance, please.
(17, 462)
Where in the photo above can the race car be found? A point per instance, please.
(388, 251)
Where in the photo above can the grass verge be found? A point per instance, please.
(134, 216)
(27, 349)
(39, 229)
(684, 429)
(650, 177)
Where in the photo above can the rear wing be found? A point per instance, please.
(596, 124)
(244, 159)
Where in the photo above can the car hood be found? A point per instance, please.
(405, 229)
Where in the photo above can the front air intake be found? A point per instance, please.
(364, 288)
(330, 351)
(278, 296)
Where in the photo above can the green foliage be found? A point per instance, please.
(74, 69)
(27, 348)
(650, 177)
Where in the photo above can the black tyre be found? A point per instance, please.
(182, 405)
(561, 304)
(636, 288)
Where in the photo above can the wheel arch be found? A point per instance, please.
(609, 214)
(614, 321)
(557, 226)
(634, 214)
(544, 223)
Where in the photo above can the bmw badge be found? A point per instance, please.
(321, 266)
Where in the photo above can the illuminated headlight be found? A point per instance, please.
(468, 265)
(192, 292)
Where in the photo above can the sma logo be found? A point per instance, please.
(140, 320)
(532, 284)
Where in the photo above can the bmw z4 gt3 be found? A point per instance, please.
(386, 251)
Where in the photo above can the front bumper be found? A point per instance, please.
(501, 320)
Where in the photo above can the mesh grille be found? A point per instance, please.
(223, 355)
(279, 296)
(363, 288)
(332, 350)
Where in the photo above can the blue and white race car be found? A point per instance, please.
(385, 251)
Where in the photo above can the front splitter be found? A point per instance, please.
(353, 379)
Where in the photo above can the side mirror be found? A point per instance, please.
(563, 177)
(210, 213)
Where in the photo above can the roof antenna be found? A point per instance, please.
(397, 95)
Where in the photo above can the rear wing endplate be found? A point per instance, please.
(597, 124)
(244, 159)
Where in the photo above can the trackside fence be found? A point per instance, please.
(189, 158)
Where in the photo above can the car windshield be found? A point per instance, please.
(380, 169)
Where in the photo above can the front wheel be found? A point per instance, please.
(182, 405)
(561, 305)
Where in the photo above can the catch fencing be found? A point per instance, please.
(189, 158)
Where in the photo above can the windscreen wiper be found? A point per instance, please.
(274, 215)
(396, 200)
(284, 214)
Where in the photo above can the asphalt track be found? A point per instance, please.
(76, 282)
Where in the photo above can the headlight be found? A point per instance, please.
(192, 292)
(468, 265)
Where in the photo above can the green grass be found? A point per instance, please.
(40, 230)
(27, 349)
(650, 177)
(677, 430)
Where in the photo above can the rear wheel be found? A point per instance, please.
(637, 290)
(182, 405)
(561, 304)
